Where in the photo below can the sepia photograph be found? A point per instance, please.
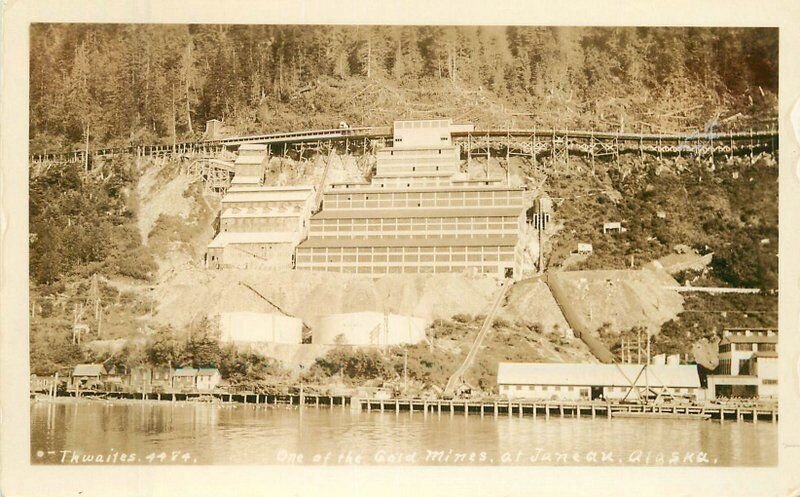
(390, 249)
(403, 245)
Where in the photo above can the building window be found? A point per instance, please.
(768, 381)
(519, 387)
(558, 389)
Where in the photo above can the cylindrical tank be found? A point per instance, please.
(368, 328)
(256, 327)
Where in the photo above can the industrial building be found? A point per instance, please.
(250, 164)
(559, 381)
(417, 214)
(748, 364)
(368, 329)
(260, 226)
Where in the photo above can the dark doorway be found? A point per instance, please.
(597, 393)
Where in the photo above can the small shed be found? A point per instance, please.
(87, 375)
(207, 379)
(184, 378)
(615, 227)
(585, 248)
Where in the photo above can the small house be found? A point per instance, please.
(585, 248)
(615, 227)
(87, 375)
(207, 379)
(192, 379)
(184, 379)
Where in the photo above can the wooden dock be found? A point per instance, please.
(523, 409)
(223, 397)
(559, 409)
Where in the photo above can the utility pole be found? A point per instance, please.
(86, 154)
(405, 370)
(639, 346)
(646, 379)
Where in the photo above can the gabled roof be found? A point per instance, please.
(510, 373)
(248, 160)
(185, 372)
(89, 370)
(207, 371)
(253, 237)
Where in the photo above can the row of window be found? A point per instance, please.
(425, 182)
(233, 225)
(422, 123)
(446, 249)
(402, 259)
(748, 347)
(418, 196)
(384, 225)
(376, 222)
(282, 205)
(418, 156)
(379, 203)
(403, 234)
(403, 269)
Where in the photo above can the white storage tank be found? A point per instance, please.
(257, 327)
(368, 328)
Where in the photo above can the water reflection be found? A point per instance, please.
(250, 434)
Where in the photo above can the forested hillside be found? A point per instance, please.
(142, 83)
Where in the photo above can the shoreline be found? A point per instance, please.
(522, 409)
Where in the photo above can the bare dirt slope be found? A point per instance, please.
(531, 302)
(160, 191)
(194, 293)
(620, 298)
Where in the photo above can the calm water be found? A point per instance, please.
(91, 432)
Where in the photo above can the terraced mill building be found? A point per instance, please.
(418, 214)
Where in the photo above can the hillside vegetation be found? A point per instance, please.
(123, 84)
(731, 211)
(141, 226)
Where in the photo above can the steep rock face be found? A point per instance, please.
(622, 299)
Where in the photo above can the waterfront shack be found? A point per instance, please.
(207, 379)
(559, 381)
(87, 376)
(146, 378)
(195, 380)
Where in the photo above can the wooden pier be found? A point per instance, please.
(455, 407)
(223, 397)
(560, 409)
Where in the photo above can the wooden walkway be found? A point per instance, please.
(543, 410)
(535, 143)
(559, 409)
